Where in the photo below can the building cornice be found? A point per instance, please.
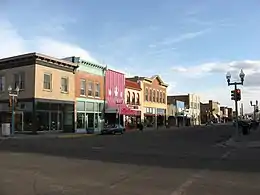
(36, 58)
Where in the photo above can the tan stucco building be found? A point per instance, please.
(46, 92)
(153, 99)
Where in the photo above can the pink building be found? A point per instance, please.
(115, 97)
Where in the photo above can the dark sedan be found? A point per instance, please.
(113, 129)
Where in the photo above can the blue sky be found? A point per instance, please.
(191, 44)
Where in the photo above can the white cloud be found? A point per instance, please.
(184, 37)
(250, 89)
(60, 49)
(250, 67)
(12, 43)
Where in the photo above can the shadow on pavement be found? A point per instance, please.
(180, 149)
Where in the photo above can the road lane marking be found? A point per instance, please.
(195, 177)
(182, 189)
(96, 148)
(227, 154)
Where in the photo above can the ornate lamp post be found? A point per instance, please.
(228, 77)
(255, 106)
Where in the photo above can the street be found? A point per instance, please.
(159, 162)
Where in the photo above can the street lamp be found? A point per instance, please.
(118, 103)
(255, 108)
(12, 95)
(242, 77)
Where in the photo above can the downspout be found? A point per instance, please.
(104, 88)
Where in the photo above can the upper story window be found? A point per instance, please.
(19, 80)
(2, 83)
(163, 97)
(64, 84)
(160, 97)
(133, 98)
(151, 95)
(97, 90)
(128, 98)
(157, 96)
(146, 94)
(90, 88)
(47, 81)
(138, 99)
(83, 87)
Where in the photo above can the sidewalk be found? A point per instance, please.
(246, 141)
(47, 135)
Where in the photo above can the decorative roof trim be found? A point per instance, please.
(87, 63)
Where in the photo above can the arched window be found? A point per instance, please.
(157, 96)
(138, 99)
(163, 97)
(160, 97)
(153, 95)
(133, 98)
(146, 94)
(128, 97)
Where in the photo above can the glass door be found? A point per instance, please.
(60, 121)
(81, 121)
(54, 121)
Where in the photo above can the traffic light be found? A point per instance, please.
(233, 95)
(238, 94)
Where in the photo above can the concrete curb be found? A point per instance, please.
(75, 136)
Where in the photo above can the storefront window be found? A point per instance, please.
(68, 118)
(90, 106)
(96, 107)
(101, 107)
(43, 120)
(69, 107)
(80, 106)
(42, 106)
(81, 120)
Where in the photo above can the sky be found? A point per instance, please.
(190, 44)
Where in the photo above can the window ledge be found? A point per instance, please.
(82, 95)
(48, 90)
(64, 92)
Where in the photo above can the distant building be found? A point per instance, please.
(192, 107)
(176, 112)
(230, 114)
(224, 114)
(210, 112)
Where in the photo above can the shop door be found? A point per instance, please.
(19, 121)
(56, 121)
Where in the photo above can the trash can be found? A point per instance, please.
(6, 131)
(245, 128)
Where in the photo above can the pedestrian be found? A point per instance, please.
(141, 126)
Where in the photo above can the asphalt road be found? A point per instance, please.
(168, 162)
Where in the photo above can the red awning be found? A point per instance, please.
(127, 111)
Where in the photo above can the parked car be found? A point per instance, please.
(113, 129)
